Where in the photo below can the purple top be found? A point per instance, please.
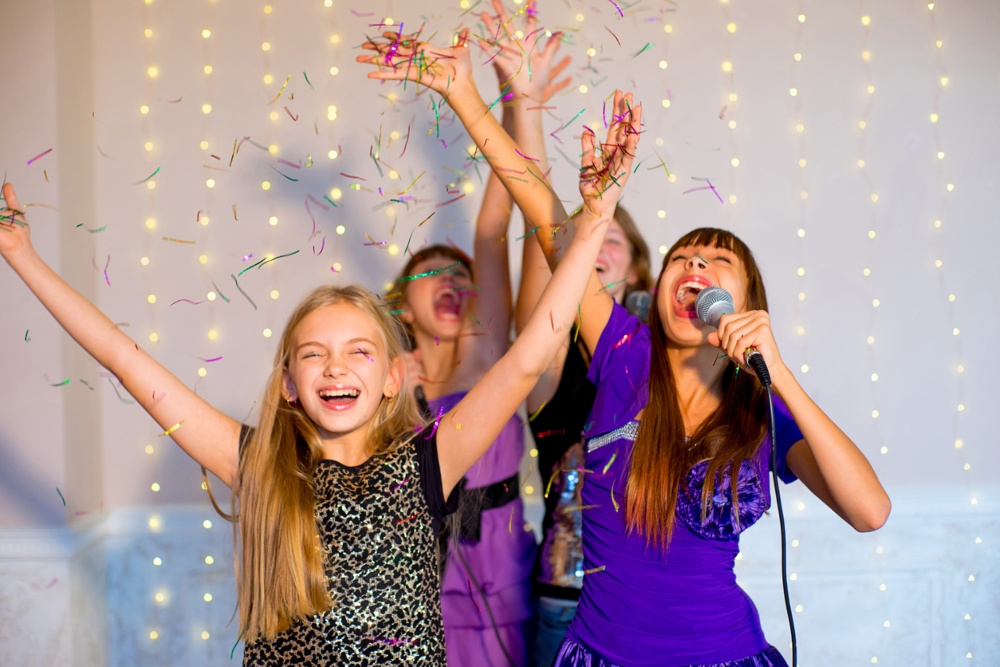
(682, 607)
(501, 560)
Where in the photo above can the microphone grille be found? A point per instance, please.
(711, 303)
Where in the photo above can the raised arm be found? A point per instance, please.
(529, 70)
(492, 307)
(447, 70)
(484, 411)
(207, 435)
(826, 459)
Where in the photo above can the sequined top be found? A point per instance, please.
(681, 607)
(378, 527)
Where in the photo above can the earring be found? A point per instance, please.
(389, 398)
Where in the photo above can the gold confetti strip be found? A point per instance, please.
(172, 428)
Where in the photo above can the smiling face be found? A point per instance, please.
(339, 371)
(687, 271)
(437, 304)
(614, 262)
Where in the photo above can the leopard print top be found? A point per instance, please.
(379, 533)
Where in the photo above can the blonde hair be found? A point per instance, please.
(279, 559)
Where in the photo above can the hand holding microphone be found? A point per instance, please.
(714, 302)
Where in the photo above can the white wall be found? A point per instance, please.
(82, 74)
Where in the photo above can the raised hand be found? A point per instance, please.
(402, 57)
(605, 169)
(14, 233)
(528, 70)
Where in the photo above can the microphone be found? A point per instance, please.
(638, 302)
(710, 305)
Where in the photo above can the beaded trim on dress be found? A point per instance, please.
(627, 432)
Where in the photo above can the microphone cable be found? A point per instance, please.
(781, 525)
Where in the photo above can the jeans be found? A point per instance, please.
(551, 622)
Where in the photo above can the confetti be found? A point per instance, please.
(450, 201)
(409, 518)
(92, 231)
(118, 394)
(613, 500)
(60, 384)
(322, 245)
(473, 595)
(41, 155)
(624, 340)
(293, 180)
(412, 184)
(415, 276)
(148, 177)
(437, 421)
(537, 412)
(207, 361)
(607, 465)
(27, 338)
(613, 35)
(595, 570)
(648, 46)
(194, 303)
(306, 77)
(171, 429)
(400, 485)
(619, 9)
(173, 240)
(234, 214)
(705, 187)
(61, 497)
(609, 286)
(287, 79)
(407, 142)
(219, 292)
(391, 641)
(290, 114)
(245, 295)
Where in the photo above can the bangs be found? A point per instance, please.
(439, 250)
(716, 238)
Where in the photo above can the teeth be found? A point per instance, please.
(683, 288)
(339, 393)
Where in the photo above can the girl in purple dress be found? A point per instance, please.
(660, 588)
(677, 446)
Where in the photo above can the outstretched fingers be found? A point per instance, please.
(12, 212)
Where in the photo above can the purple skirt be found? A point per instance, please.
(575, 654)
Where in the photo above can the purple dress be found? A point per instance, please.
(500, 562)
(640, 606)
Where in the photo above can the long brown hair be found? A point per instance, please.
(279, 559)
(661, 456)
